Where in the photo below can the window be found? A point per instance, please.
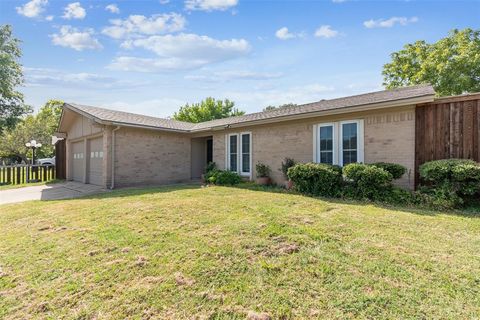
(233, 153)
(238, 155)
(349, 142)
(245, 153)
(326, 141)
(338, 143)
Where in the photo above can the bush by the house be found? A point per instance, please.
(396, 170)
(287, 164)
(210, 167)
(223, 178)
(367, 182)
(317, 179)
(449, 183)
(263, 170)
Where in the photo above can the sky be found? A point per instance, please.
(152, 56)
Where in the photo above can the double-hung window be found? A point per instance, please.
(239, 153)
(339, 143)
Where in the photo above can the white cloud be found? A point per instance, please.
(136, 25)
(74, 10)
(210, 5)
(73, 38)
(113, 8)
(43, 77)
(284, 34)
(164, 1)
(338, 1)
(326, 31)
(234, 75)
(32, 9)
(182, 51)
(49, 18)
(388, 23)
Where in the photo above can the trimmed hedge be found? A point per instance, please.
(396, 170)
(317, 179)
(367, 182)
(449, 183)
(222, 178)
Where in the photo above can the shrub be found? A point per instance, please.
(210, 167)
(396, 170)
(263, 170)
(317, 179)
(222, 178)
(367, 182)
(449, 183)
(287, 164)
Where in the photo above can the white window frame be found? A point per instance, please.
(338, 140)
(239, 153)
(334, 141)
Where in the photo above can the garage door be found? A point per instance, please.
(78, 161)
(95, 172)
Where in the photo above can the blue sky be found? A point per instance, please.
(151, 57)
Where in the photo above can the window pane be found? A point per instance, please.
(349, 139)
(245, 153)
(233, 153)
(349, 157)
(326, 144)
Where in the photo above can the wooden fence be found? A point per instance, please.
(447, 128)
(21, 174)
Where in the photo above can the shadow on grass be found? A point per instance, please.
(470, 212)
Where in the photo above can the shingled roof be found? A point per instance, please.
(385, 96)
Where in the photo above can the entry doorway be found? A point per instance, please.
(202, 153)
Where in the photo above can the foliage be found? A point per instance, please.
(206, 110)
(287, 164)
(286, 105)
(222, 178)
(39, 127)
(450, 183)
(396, 170)
(317, 179)
(210, 167)
(263, 170)
(11, 76)
(451, 65)
(367, 182)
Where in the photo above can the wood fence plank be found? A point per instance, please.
(467, 130)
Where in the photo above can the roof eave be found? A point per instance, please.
(365, 107)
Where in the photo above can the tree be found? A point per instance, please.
(39, 127)
(11, 101)
(451, 65)
(208, 109)
(286, 105)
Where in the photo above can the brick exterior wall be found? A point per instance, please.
(388, 136)
(151, 157)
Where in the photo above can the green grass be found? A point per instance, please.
(23, 185)
(220, 253)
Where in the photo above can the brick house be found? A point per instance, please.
(113, 148)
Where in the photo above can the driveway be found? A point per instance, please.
(57, 191)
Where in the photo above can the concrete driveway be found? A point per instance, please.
(56, 191)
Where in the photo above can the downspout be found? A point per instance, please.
(112, 183)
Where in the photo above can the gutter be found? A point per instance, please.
(112, 182)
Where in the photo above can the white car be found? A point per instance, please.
(46, 161)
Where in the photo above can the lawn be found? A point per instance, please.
(228, 253)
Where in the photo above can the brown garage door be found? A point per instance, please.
(78, 161)
(95, 171)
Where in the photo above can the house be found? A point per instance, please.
(113, 148)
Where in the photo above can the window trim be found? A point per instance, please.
(240, 145)
(337, 140)
(228, 151)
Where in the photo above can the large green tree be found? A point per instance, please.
(451, 65)
(12, 106)
(208, 109)
(40, 127)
